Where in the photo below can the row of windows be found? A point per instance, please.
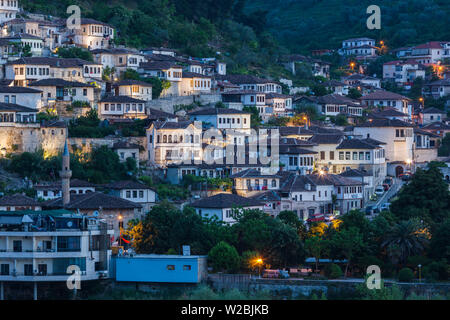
(133, 194)
(200, 83)
(133, 107)
(349, 190)
(303, 161)
(10, 3)
(92, 70)
(264, 182)
(401, 133)
(354, 156)
(231, 120)
(168, 138)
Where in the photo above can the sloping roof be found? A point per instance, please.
(226, 200)
(384, 122)
(158, 65)
(121, 99)
(172, 124)
(355, 144)
(388, 112)
(252, 173)
(15, 108)
(18, 200)
(59, 83)
(337, 99)
(214, 111)
(433, 110)
(353, 173)
(8, 89)
(287, 131)
(326, 138)
(384, 95)
(190, 75)
(92, 21)
(53, 62)
(92, 201)
(289, 149)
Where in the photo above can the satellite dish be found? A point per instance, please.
(95, 213)
(69, 224)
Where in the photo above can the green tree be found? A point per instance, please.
(348, 242)
(75, 52)
(426, 197)
(224, 257)
(354, 93)
(405, 239)
(440, 242)
(316, 247)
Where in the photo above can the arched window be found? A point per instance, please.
(158, 138)
(170, 138)
(164, 139)
(274, 183)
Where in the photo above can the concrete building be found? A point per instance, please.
(92, 34)
(223, 205)
(398, 137)
(8, 10)
(158, 268)
(42, 247)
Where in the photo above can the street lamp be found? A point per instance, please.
(258, 262)
(420, 275)
(352, 65)
(120, 218)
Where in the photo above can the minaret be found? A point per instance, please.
(65, 174)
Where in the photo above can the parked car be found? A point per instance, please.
(379, 191)
(385, 186)
(389, 181)
(268, 273)
(405, 176)
(370, 210)
(373, 197)
(385, 206)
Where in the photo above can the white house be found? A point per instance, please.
(133, 191)
(398, 137)
(92, 34)
(8, 10)
(382, 98)
(52, 191)
(133, 88)
(223, 205)
(223, 118)
(121, 107)
(55, 89)
(403, 72)
(23, 96)
(174, 142)
(194, 83)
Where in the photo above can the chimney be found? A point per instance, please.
(65, 174)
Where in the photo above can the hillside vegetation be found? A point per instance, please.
(250, 35)
(303, 25)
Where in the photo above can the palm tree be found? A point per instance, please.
(405, 239)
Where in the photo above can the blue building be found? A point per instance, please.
(161, 268)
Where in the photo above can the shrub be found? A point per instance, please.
(405, 275)
(224, 257)
(333, 271)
